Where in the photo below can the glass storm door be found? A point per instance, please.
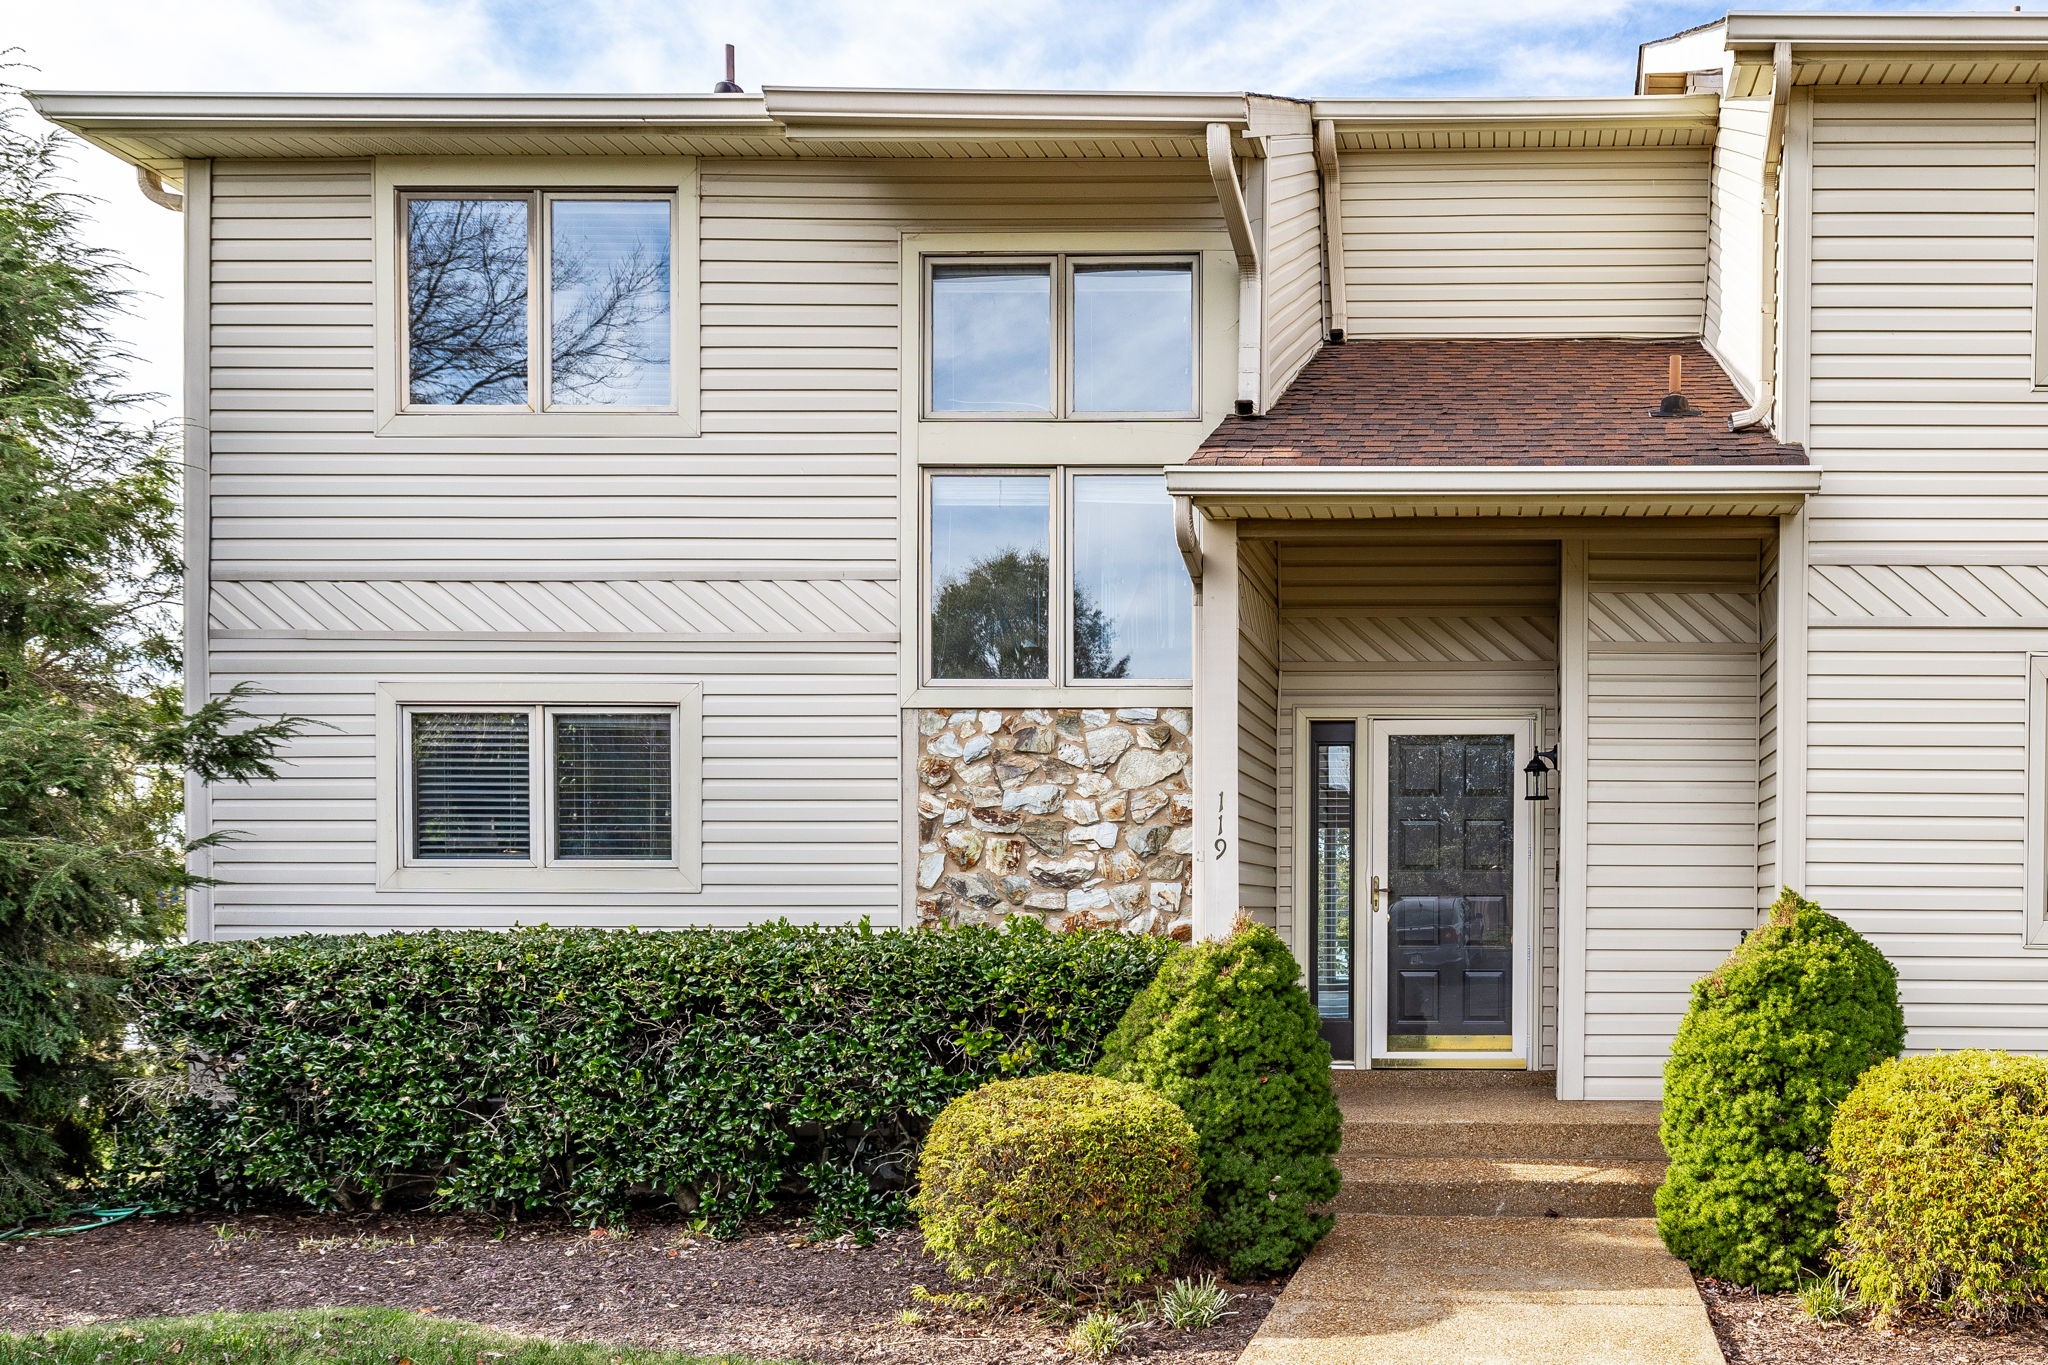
(1332, 831)
(1448, 909)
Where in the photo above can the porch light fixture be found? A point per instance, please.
(1536, 775)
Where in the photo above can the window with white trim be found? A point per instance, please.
(1061, 337)
(540, 786)
(1062, 577)
(543, 300)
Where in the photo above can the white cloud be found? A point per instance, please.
(1294, 47)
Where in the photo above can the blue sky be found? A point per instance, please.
(1292, 47)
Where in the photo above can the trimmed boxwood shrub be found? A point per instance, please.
(1774, 1039)
(1227, 1033)
(591, 1071)
(1071, 1185)
(1942, 1167)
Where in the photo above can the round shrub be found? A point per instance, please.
(1226, 1032)
(1774, 1039)
(1067, 1184)
(1942, 1168)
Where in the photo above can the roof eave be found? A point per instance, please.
(1534, 490)
(1945, 32)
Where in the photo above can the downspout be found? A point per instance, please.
(1237, 222)
(1759, 412)
(153, 190)
(1333, 225)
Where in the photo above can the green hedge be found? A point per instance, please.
(592, 1071)
(1942, 1167)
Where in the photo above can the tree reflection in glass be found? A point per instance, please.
(608, 267)
(466, 301)
(990, 567)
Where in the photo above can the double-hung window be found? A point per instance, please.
(1061, 337)
(1061, 577)
(506, 788)
(538, 301)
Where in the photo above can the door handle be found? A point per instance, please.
(1379, 895)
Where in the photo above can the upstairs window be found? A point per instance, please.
(1050, 337)
(590, 274)
(1056, 578)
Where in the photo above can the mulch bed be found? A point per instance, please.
(771, 1293)
(1772, 1329)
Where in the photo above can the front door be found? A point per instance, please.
(1447, 904)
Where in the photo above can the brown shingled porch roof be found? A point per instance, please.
(1538, 402)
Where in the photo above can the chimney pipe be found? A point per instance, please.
(731, 84)
(1674, 404)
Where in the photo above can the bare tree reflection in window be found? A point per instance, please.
(609, 273)
(466, 301)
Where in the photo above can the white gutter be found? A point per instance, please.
(153, 190)
(1237, 221)
(1759, 412)
(1412, 482)
(1333, 223)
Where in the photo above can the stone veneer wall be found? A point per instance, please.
(1080, 817)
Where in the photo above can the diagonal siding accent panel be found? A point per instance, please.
(1983, 592)
(827, 607)
(1674, 618)
(1417, 639)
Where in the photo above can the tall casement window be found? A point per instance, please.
(1052, 337)
(1063, 577)
(540, 786)
(557, 301)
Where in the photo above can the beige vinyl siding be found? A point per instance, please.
(1735, 255)
(1292, 283)
(1411, 624)
(1559, 242)
(800, 787)
(1258, 701)
(1673, 689)
(1770, 652)
(760, 558)
(1927, 592)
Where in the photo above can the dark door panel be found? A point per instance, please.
(1450, 892)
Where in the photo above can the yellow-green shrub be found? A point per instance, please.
(1072, 1185)
(1942, 1168)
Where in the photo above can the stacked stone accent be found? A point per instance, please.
(1082, 818)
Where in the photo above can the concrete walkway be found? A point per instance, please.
(1409, 1290)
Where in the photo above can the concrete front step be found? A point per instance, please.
(1447, 1078)
(1497, 1188)
(1424, 1122)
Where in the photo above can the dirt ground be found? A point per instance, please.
(1771, 1329)
(770, 1294)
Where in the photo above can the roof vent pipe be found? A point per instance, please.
(731, 84)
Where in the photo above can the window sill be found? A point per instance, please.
(974, 696)
(537, 424)
(539, 879)
(1100, 441)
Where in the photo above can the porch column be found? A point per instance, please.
(1215, 732)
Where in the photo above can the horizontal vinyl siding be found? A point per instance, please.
(1927, 592)
(1258, 680)
(1292, 275)
(801, 781)
(1673, 698)
(1394, 625)
(1735, 257)
(1526, 243)
(1922, 408)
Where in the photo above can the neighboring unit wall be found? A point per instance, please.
(1672, 689)
(1927, 592)
(1292, 287)
(761, 558)
(1735, 253)
(1567, 242)
(1393, 622)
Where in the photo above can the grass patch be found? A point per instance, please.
(326, 1336)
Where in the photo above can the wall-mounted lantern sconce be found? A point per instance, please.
(1536, 775)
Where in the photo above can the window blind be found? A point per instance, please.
(470, 785)
(613, 786)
